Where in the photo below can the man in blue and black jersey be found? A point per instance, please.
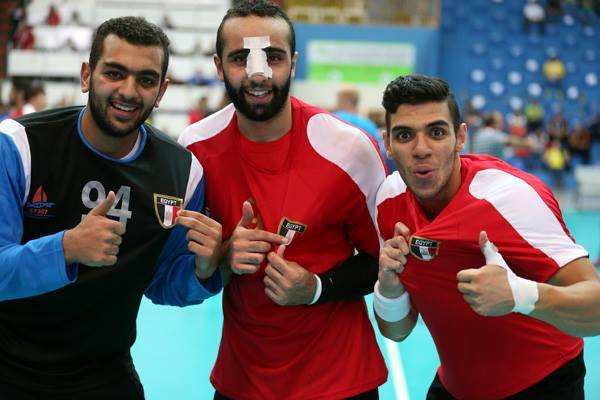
(96, 209)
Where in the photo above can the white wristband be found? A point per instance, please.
(525, 292)
(390, 310)
(318, 290)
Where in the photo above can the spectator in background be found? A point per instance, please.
(554, 72)
(3, 111)
(553, 10)
(17, 15)
(24, 39)
(579, 145)
(520, 143)
(594, 130)
(534, 112)
(16, 96)
(53, 17)
(556, 159)
(35, 97)
(199, 111)
(558, 128)
(534, 14)
(491, 139)
(348, 99)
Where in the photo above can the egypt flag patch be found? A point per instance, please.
(424, 249)
(167, 208)
(289, 229)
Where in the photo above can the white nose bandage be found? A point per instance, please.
(256, 63)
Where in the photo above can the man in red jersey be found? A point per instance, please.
(294, 189)
(506, 319)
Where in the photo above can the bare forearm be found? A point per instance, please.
(573, 309)
(399, 330)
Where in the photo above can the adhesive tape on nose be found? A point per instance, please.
(256, 63)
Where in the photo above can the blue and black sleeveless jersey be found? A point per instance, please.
(74, 325)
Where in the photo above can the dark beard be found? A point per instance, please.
(99, 115)
(259, 112)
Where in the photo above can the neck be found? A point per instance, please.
(434, 206)
(270, 130)
(111, 146)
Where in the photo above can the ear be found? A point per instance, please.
(219, 66)
(387, 144)
(161, 92)
(294, 61)
(461, 137)
(85, 75)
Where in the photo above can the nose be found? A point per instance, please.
(258, 79)
(128, 88)
(421, 149)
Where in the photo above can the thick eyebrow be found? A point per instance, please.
(439, 122)
(121, 67)
(245, 52)
(275, 50)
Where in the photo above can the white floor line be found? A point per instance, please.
(396, 370)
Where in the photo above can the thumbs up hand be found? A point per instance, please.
(392, 259)
(248, 247)
(494, 289)
(95, 240)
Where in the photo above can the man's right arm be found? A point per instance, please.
(394, 313)
(37, 266)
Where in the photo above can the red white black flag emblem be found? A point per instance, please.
(289, 228)
(424, 249)
(167, 208)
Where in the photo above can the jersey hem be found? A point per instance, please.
(356, 390)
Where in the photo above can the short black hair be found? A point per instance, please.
(418, 89)
(135, 30)
(259, 8)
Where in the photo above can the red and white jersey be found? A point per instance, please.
(483, 357)
(317, 186)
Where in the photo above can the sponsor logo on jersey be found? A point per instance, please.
(39, 206)
(290, 229)
(167, 209)
(424, 249)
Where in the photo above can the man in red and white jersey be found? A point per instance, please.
(294, 189)
(482, 250)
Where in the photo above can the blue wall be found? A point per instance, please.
(425, 40)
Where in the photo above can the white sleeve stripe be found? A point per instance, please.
(196, 173)
(351, 150)
(531, 217)
(390, 188)
(207, 127)
(17, 133)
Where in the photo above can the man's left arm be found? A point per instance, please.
(570, 300)
(187, 271)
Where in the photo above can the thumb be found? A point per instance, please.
(490, 252)
(401, 230)
(105, 205)
(247, 215)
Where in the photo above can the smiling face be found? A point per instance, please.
(257, 98)
(124, 86)
(425, 147)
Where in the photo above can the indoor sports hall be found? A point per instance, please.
(536, 74)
